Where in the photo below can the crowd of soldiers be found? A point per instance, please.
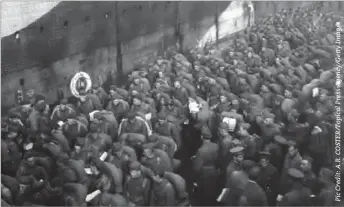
(250, 124)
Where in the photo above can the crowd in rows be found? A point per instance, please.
(250, 124)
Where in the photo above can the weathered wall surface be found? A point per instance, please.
(78, 36)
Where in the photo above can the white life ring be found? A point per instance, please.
(74, 81)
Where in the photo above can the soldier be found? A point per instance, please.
(253, 194)
(164, 143)
(326, 195)
(224, 141)
(139, 106)
(105, 177)
(133, 125)
(310, 179)
(180, 93)
(62, 112)
(292, 160)
(38, 119)
(268, 55)
(101, 142)
(121, 156)
(138, 85)
(119, 107)
(74, 194)
(166, 128)
(156, 157)
(299, 195)
(163, 193)
(268, 177)
(10, 154)
(205, 170)
(235, 164)
(137, 186)
(276, 148)
(100, 93)
(88, 103)
(223, 105)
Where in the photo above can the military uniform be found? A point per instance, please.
(277, 151)
(299, 195)
(268, 179)
(181, 94)
(136, 126)
(160, 159)
(206, 174)
(127, 155)
(137, 189)
(91, 103)
(119, 109)
(60, 114)
(168, 129)
(234, 166)
(253, 195)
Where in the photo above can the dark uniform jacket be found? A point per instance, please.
(163, 194)
(253, 195)
(137, 190)
(297, 197)
(207, 155)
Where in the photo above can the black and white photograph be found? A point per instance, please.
(172, 103)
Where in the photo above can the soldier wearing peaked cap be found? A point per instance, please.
(268, 177)
(299, 194)
(206, 175)
(236, 163)
(277, 148)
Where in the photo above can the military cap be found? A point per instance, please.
(236, 150)
(280, 140)
(295, 173)
(135, 77)
(94, 126)
(135, 165)
(95, 85)
(40, 105)
(139, 97)
(117, 96)
(64, 101)
(264, 154)
(80, 142)
(13, 115)
(291, 143)
(113, 88)
(131, 115)
(117, 146)
(158, 169)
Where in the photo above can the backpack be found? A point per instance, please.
(179, 185)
